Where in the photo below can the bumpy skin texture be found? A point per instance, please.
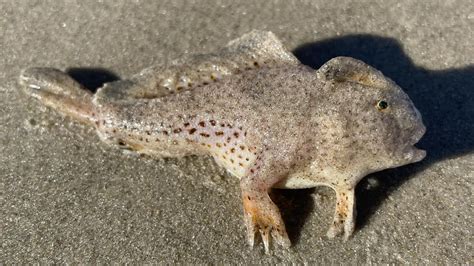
(266, 118)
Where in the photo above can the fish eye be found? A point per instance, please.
(382, 105)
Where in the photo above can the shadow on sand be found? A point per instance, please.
(92, 78)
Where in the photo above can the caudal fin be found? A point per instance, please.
(59, 91)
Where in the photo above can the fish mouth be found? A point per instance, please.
(411, 153)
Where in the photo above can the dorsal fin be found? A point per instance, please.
(256, 49)
(261, 46)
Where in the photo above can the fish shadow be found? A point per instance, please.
(295, 207)
(444, 98)
(92, 78)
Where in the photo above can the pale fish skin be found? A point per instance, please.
(268, 119)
